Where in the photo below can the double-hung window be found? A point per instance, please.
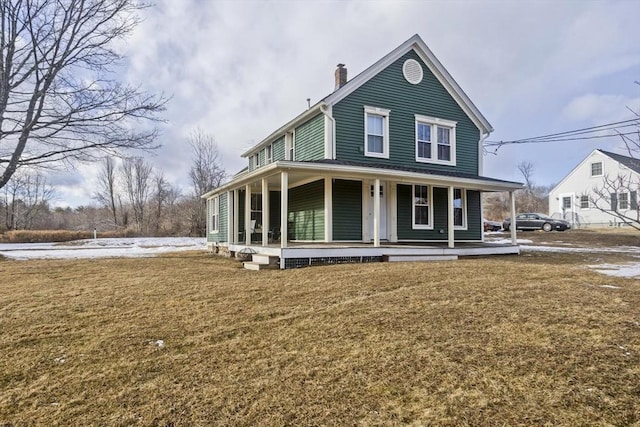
(256, 161)
(422, 209)
(584, 202)
(376, 132)
(435, 140)
(214, 215)
(459, 208)
(290, 146)
(596, 169)
(268, 153)
(623, 201)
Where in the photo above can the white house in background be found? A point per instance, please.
(573, 198)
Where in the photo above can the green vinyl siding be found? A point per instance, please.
(309, 139)
(439, 220)
(262, 157)
(347, 210)
(221, 235)
(306, 211)
(278, 149)
(389, 90)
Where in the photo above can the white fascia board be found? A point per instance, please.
(243, 179)
(578, 166)
(443, 76)
(301, 118)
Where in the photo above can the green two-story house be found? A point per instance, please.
(389, 164)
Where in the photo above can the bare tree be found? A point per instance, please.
(106, 193)
(206, 173)
(25, 198)
(137, 176)
(59, 98)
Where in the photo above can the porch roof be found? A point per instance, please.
(358, 170)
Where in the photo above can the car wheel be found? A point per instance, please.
(546, 227)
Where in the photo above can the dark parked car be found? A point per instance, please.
(492, 226)
(536, 221)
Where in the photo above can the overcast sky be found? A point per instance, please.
(238, 70)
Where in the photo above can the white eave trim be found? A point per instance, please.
(300, 119)
(347, 171)
(427, 56)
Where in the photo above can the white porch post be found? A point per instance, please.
(230, 208)
(236, 213)
(284, 208)
(265, 212)
(247, 214)
(328, 209)
(512, 202)
(376, 213)
(450, 230)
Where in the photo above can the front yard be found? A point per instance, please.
(191, 339)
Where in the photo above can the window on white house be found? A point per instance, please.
(214, 215)
(422, 212)
(435, 140)
(623, 201)
(584, 202)
(596, 169)
(566, 203)
(376, 132)
(268, 153)
(459, 210)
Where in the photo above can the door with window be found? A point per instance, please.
(383, 210)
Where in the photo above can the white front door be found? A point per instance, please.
(383, 211)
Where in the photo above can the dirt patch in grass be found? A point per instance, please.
(527, 340)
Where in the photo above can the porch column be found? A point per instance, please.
(247, 214)
(284, 208)
(376, 213)
(265, 212)
(450, 230)
(512, 202)
(236, 214)
(230, 208)
(328, 209)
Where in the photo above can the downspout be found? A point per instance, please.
(323, 109)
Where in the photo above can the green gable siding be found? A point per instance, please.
(278, 149)
(405, 220)
(221, 235)
(347, 210)
(306, 211)
(309, 139)
(389, 90)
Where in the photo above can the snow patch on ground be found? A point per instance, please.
(102, 248)
(631, 269)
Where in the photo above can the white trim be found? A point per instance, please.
(416, 44)
(376, 212)
(601, 174)
(329, 133)
(380, 112)
(415, 226)
(284, 210)
(405, 72)
(465, 223)
(265, 212)
(247, 214)
(435, 123)
(229, 216)
(214, 209)
(268, 149)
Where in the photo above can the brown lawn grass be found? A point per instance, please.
(529, 340)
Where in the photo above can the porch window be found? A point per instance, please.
(422, 210)
(376, 132)
(459, 208)
(214, 215)
(435, 140)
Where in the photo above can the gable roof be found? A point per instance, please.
(630, 162)
(414, 43)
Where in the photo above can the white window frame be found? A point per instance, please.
(268, 154)
(436, 123)
(415, 226)
(463, 197)
(214, 215)
(290, 146)
(256, 160)
(601, 169)
(627, 201)
(384, 113)
(588, 202)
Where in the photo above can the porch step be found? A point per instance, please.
(396, 258)
(261, 262)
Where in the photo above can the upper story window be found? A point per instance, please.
(376, 132)
(290, 146)
(268, 152)
(422, 208)
(214, 215)
(256, 160)
(435, 140)
(596, 169)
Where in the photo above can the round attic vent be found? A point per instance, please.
(412, 71)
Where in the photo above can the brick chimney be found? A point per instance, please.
(341, 76)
